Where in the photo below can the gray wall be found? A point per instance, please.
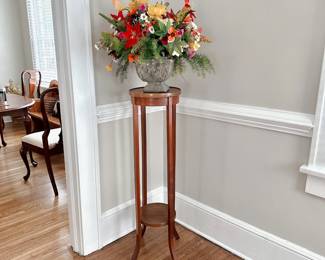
(266, 53)
(15, 53)
(116, 159)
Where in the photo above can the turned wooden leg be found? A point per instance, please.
(2, 127)
(23, 154)
(34, 163)
(171, 176)
(50, 173)
(27, 122)
(137, 181)
(144, 160)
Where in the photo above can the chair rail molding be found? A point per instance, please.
(315, 169)
(259, 117)
(72, 29)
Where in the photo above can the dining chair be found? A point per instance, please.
(31, 83)
(47, 143)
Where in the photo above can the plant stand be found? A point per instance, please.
(154, 214)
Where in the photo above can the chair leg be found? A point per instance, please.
(2, 126)
(50, 172)
(23, 154)
(34, 163)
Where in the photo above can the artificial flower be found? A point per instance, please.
(157, 11)
(118, 17)
(132, 35)
(109, 67)
(135, 4)
(133, 58)
(171, 34)
(144, 17)
(151, 29)
(194, 46)
(176, 53)
(117, 4)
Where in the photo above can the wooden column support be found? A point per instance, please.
(154, 214)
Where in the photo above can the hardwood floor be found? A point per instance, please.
(34, 224)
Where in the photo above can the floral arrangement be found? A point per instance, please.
(145, 31)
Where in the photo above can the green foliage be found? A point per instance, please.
(200, 64)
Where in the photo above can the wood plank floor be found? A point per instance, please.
(34, 224)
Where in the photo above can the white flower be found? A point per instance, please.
(144, 17)
(194, 26)
(175, 53)
(97, 46)
(151, 29)
(197, 37)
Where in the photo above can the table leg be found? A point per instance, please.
(2, 126)
(27, 122)
(137, 180)
(144, 160)
(171, 176)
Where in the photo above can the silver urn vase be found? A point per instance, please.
(155, 73)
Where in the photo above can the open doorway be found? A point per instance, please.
(34, 211)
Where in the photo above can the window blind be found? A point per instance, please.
(40, 21)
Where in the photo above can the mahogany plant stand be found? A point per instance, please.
(154, 214)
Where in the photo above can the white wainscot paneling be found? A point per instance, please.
(316, 165)
(120, 221)
(239, 237)
(260, 117)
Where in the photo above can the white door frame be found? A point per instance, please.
(72, 28)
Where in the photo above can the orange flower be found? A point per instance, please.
(171, 34)
(133, 58)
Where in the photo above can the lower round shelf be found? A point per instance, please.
(155, 215)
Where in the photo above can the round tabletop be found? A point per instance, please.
(15, 103)
(141, 98)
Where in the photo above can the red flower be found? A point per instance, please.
(118, 17)
(132, 35)
(171, 15)
(187, 3)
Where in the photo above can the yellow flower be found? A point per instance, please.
(194, 46)
(134, 4)
(109, 67)
(157, 11)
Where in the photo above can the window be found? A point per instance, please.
(41, 32)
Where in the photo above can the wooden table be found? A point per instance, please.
(154, 214)
(16, 105)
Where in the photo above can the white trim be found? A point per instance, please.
(260, 117)
(316, 165)
(119, 221)
(237, 236)
(78, 106)
(118, 111)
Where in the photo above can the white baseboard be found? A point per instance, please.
(236, 236)
(119, 221)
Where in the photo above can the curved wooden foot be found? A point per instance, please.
(176, 235)
(34, 163)
(136, 250)
(143, 230)
(51, 175)
(23, 154)
(171, 241)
